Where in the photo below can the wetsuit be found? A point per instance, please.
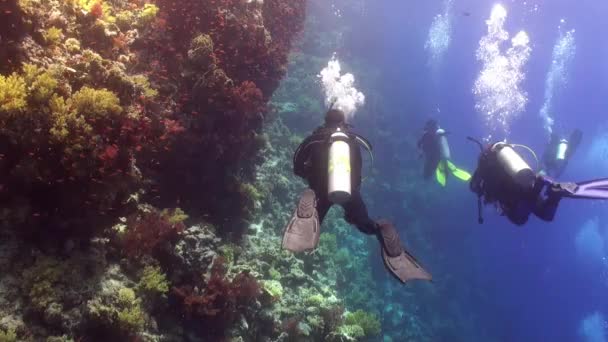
(430, 146)
(311, 163)
(493, 185)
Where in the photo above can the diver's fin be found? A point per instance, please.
(440, 174)
(303, 230)
(575, 140)
(594, 189)
(458, 173)
(404, 267)
(398, 261)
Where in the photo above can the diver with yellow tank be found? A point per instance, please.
(503, 178)
(437, 156)
(330, 161)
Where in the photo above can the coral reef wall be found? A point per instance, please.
(115, 115)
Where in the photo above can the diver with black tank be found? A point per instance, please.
(330, 161)
(505, 179)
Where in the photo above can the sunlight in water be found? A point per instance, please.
(597, 154)
(590, 244)
(563, 54)
(339, 89)
(593, 328)
(499, 97)
(440, 35)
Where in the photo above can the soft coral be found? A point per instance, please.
(216, 306)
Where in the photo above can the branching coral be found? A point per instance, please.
(368, 322)
(153, 281)
(13, 94)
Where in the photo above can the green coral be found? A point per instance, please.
(315, 300)
(13, 93)
(53, 35)
(130, 315)
(352, 331)
(153, 281)
(369, 322)
(273, 288)
(342, 257)
(228, 252)
(8, 336)
(328, 244)
(41, 282)
(274, 274)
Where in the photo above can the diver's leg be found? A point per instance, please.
(355, 212)
(545, 205)
(303, 230)
(397, 260)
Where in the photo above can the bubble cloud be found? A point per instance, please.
(557, 76)
(497, 89)
(339, 89)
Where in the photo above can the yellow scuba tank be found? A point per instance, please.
(339, 170)
(444, 148)
(515, 166)
(562, 148)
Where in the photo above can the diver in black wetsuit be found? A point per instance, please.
(504, 179)
(311, 162)
(559, 151)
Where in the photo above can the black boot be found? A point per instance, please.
(397, 260)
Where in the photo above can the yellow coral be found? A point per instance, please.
(143, 84)
(174, 216)
(53, 35)
(43, 87)
(153, 280)
(95, 103)
(148, 14)
(66, 123)
(13, 93)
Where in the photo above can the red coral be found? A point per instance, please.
(216, 307)
(97, 9)
(222, 104)
(146, 232)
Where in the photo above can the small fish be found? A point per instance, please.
(466, 14)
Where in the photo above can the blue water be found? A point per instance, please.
(540, 282)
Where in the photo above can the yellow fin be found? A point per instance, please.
(440, 174)
(458, 173)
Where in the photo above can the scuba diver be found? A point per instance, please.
(559, 151)
(330, 161)
(503, 178)
(436, 150)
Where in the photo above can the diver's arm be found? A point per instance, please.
(301, 156)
